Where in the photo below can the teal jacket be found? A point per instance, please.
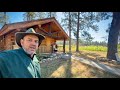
(18, 64)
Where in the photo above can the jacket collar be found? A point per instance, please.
(27, 53)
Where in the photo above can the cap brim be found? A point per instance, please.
(20, 35)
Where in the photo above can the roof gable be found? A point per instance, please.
(27, 24)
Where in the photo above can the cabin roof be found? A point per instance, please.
(43, 23)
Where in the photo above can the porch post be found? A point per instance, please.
(64, 46)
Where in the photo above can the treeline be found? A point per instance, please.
(103, 43)
(83, 43)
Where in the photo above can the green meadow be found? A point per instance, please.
(88, 48)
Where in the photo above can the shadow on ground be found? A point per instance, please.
(68, 69)
(60, 68)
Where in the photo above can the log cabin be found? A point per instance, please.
(49, 27)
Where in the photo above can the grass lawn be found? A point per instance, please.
(72, 69)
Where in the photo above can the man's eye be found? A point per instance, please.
(29, 40)
(36, 41)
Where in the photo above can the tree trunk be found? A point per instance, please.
(69, 33)
(5, 17)
(50, 15)
(113, 36)
(77, 43)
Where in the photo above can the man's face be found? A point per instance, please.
(30, 43)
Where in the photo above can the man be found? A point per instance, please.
(22, 62)
(55, 47)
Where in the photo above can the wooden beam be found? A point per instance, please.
(50, 28)
(52, 35)
(43, 30)
(56, 32)
(48, 34)
(64, 46)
